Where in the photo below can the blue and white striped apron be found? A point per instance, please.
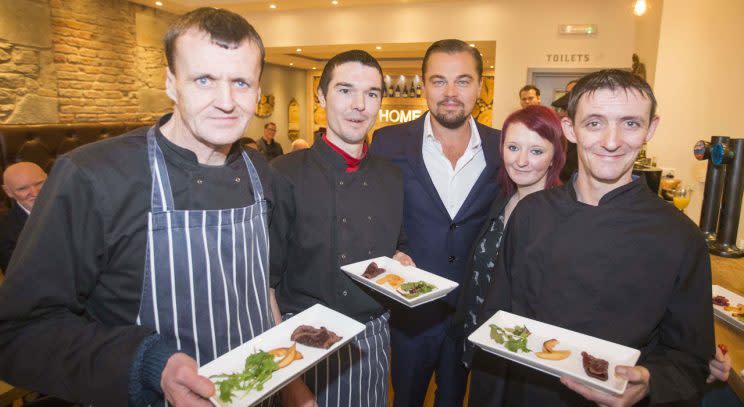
(356, 375)
(206, 271)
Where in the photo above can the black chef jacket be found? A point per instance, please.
(325, 218)
(633, 270)
(70, 301)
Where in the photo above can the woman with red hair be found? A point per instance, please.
(533, 153)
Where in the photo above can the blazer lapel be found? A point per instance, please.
(415, 156)
(489, 144)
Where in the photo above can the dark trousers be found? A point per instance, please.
(416, 355)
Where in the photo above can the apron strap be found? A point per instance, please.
(161, 197)
(258, 194)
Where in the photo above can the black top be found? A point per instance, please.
(479, 277)
(269, 150)
(69, 304)
(326, 218)
(632, 270)
(10, 228)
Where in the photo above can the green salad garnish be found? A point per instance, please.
(416, 288)
(514, 339)
(258, 369)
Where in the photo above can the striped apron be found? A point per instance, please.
(206, 271)
(357, 374)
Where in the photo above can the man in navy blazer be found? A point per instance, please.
(449, 164)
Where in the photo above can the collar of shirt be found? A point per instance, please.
(617, 195)
(352, 164)
(186, 157)
(431, 142)
(23, 208)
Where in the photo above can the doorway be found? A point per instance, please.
(552, 81)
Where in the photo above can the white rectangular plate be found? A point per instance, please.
(724, 315)
(568, 340)
(410, 274)
(279, 337)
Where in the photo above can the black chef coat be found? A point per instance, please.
(325, 218)
(632, 270)
(69, 303)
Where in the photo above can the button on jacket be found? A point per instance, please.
(325, 218)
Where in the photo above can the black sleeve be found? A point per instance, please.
(280, 228)
(48, 340)
(679, 363)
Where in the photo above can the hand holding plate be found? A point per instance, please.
(638, 381)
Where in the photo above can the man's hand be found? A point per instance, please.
(404, 259)
(182, 385)
(719, 366)
(296, 394)
(638, 380)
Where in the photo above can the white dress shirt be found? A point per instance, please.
(453, 184)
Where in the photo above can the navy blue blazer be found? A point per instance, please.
(437, 243)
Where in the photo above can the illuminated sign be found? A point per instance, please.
(399, 115)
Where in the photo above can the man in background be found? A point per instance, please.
(529, 95)
(267, 145)
(22, 183)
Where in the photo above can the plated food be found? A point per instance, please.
(414, 289)
(256, 369)
(393, 279)
(408, 285)
(373, 270)
(549, 352)
(556, 351)
(728, 306)
(595, 367)
(315, 337)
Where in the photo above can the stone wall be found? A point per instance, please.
(81, 61)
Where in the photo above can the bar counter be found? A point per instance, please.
(729, 273)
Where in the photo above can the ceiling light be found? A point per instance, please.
(159, 3)
(299, 50)
(291, 64)
(378, 47)
(472, 45)
(491, 66)
(334, 2)
(272, 5)
(640, 7)
(314, 68)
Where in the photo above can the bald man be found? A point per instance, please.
(22, 183)
(299, 144)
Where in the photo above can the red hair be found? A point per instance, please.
(543, 121)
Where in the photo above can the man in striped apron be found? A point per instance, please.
(149, 253)
(337, 205)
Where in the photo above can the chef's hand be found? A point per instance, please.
(182, 385)
(297, 394)
(719, 366)
(638, 380)
(404, 259)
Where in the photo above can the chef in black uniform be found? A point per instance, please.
(131, 270)
(606, 257)
(338, 205)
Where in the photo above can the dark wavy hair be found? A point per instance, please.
(543, 121)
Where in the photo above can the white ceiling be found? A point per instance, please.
(247, 6)
(395, 58)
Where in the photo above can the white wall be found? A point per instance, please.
(524, 31)
(284, 84)
(699, 84)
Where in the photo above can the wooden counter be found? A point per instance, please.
(729, 273)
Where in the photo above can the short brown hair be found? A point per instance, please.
(225, 28)
(354, 55)
(453, 46)
(609, 79)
